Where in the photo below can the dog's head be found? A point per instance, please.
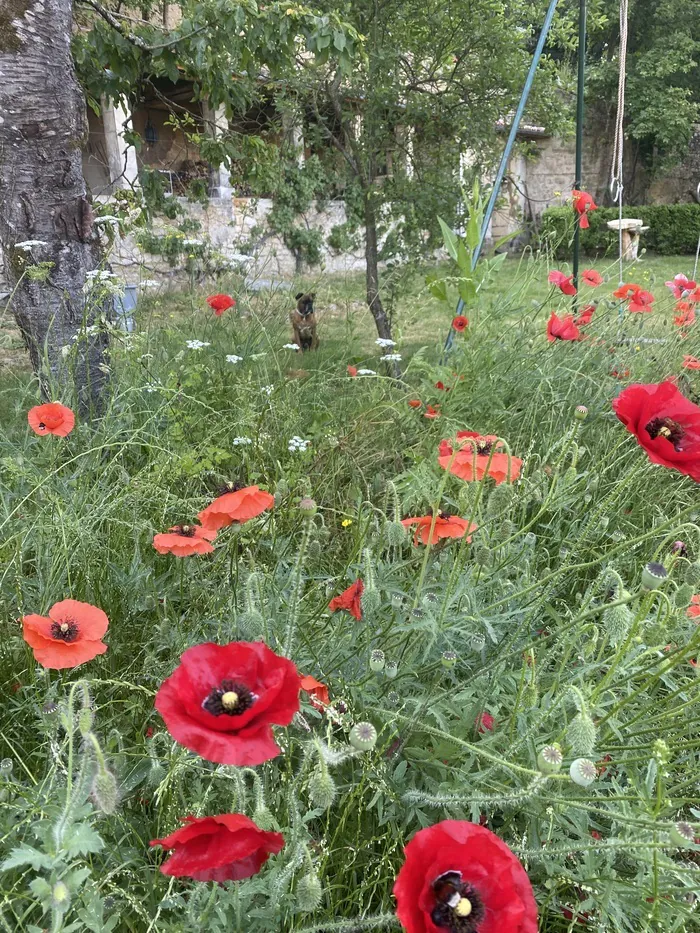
(305, 303)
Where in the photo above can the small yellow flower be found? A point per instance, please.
(346, 522)
(637, 349)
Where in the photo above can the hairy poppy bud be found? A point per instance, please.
(507, 530)
(682, 834)
(363, 736)
(530, 539)
(500, 500)
(104, 790)
(85, 720)
(282, 488)
(482, 555)
(370, 600)
(550, 758)
(580, 413)
(692, 574)
(307, 507)
(251, 623)
(314, 550)
(617, 621)
(583, 772)
(321, 789)
(60, 897)
(395, 534)
(377, 660)
(309, 893)
(264, 819)
(581, 734)
(391, 669)
(653, 576)
(684, 595)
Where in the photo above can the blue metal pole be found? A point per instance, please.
(505, 159)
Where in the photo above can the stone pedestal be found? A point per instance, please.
(216, 124)
(631, 228)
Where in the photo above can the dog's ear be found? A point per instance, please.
(299, 295)
(312, 296)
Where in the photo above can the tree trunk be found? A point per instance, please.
(43, 126)
(374, 301)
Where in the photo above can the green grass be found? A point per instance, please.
(529, 608)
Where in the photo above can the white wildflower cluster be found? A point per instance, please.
(193, 242)
(106, 219)
(390, 358)
(197, 344)
(149, 283)
(385, 343)
(291, 346)
(366, 372)
(298, 444)
(267, 390)
(103, 280)
(28, 245)
(238, 441)
(232, 358)
(152, 387)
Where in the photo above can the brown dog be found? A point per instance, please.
(303, 321)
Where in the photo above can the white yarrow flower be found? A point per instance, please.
(28, 245)
(291, 346)
(197, 344)
(232, 358)
(267, 390)
(297, 444)
(385, 343)
(238, 441)
(366, 372)
(390, 358)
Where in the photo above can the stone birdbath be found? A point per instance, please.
(631, 230)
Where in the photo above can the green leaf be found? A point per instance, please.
(26, 855)
(473, 230)
(464, 260)
(467, 290)
(505, 238)
(40, 888)
(436, 286)
(81, 839)
(449, 238)
(339, 40)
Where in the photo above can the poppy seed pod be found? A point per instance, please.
(391, 669)
(448, 659)
(580, 413)
(581, 734)
(682, 834)
(308, 507)
(654, 575)
(550, 758)
(363, 736)
(583, 772)
(377, 660)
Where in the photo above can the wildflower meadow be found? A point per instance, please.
(388, 635)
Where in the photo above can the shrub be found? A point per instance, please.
(673, 229)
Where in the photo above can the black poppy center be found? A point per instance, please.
(668, 428)
(484, 448)
(231, 698)
(229, 487)
(67, 630)
(42, 426)
(458, 907)
(445, 516)
(187, 531)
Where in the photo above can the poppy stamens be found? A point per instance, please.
(668, 428)
(458, 907)
(67, 630)
(231, 698)
(229, 487)
(187, 531)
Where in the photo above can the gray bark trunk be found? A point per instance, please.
(43, 126)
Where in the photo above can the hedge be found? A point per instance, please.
(673, 229)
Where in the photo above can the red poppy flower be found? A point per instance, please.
(585, 316)
(431, 412)
(690, 362)
(228, 847)
(440, 385)
(665, 423)
(485, 723)
(563, 282)
(680, 285)
(459, 877)
(641, 302)
(627, 291)
(352, 371)
(238, 506)
(222, 701)
(415, 403)
(592, 278)
(694, 608)
(51, 418)
(470, 464)
(317, 691)
(460, 323)
(220, 303)
(563, 328)
(349, 599)
(185, 540)
(71, 635)
(583, 204)
(446, 526)
(685, 314)
(694, 296)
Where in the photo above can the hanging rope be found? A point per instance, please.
(616, 172)
(697, 251)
